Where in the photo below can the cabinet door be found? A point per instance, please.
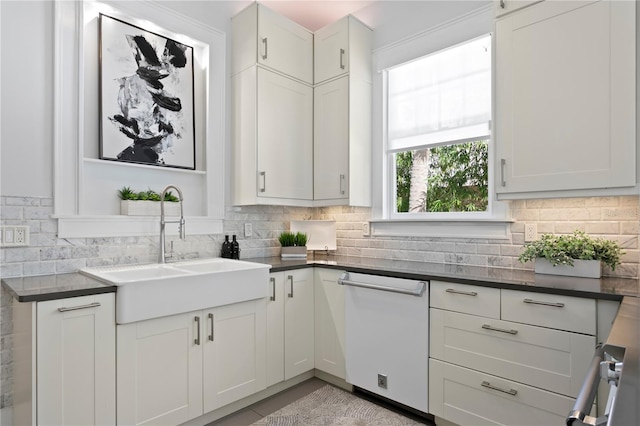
(275, 329)
(468, 397)
(329, 322)
(284, 45)
(234, 352)
(331, 140)
(285, 137)
(565, 97)
(76, 363)
(331, 50)
(160, 370)
(298, 324)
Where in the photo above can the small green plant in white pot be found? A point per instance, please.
(146, 203)
(576, 254)
(294, 245)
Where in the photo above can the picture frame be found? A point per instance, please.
(146, 97)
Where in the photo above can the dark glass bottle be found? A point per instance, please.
(235, 249)
(226, 247)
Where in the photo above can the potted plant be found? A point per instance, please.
(576, 254)
(294, 245)
(145, 203)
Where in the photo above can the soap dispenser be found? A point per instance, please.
(226, 248)
(235, 249)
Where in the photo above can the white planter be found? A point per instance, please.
(580, 268)
(295, 252)
(148, 208)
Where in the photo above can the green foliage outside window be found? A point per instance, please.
(457, 179)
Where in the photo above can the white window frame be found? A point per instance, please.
(491, 224)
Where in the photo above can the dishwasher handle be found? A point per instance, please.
(579, 415)
(419, 290)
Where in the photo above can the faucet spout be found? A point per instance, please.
(163, 221)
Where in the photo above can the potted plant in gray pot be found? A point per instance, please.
(577, 255)
(294, 245)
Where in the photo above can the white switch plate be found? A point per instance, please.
(248, 230)
(14, 236)
(530, 232)
(366, 229)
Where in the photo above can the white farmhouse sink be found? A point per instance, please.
(157, 290)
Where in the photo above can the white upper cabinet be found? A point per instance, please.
(262, 36)
(342, 114)
(565, 98)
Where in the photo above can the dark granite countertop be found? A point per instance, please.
(515, 279)
(50, 287)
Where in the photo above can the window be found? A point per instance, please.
(438, 110)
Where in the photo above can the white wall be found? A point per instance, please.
(27, 97)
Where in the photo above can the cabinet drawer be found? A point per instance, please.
(468, 397)
(548, 359)
(550, 310)
(469, 299)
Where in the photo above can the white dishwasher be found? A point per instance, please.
(387, 337)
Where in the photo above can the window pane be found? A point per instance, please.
(450, 178)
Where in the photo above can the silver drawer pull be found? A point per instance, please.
(197, 339)
(490, 386)
(466, 293)
(273, 289)
(501, 330)
(541, 302)
(75, 308)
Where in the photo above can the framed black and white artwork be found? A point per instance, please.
(146, 97)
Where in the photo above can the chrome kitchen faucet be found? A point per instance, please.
(163, 222)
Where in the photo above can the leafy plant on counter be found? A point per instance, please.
(126, 193)
(563, 249)
(290, 239)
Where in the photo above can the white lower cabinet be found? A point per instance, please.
(468, 397)
(65, 361)
(290, 325)
(329, 323)
(507, 356)
(176, 368)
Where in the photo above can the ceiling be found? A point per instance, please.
(314, 14)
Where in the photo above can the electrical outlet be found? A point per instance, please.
(14, 236)
(530, 232)
(20, 235)
(366, 229)
(248, 230)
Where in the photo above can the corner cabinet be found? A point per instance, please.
(71, 379)
(176, 368)
(565, 97)
(329, 322)
(290, 325)
(342, 114)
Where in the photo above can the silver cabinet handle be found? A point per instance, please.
(264, 43)
(342, 184)
(501, 330)
(502, 4)
(197, 339)
(503, 162)
(466, 293)
(290, 278)
(273, 289)
(263, 175)
(542, 302)
(490, 386)
(211, 320)
(75, 308)
(341, 59)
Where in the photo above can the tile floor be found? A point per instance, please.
(255, 412)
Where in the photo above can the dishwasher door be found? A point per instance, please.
(387, 337)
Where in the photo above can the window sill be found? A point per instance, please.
(491, 229)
